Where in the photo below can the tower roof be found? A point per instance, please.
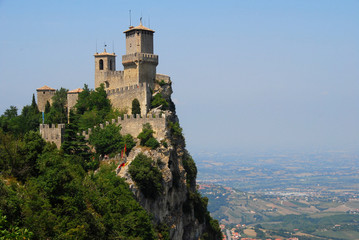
(77, 90)
(139, 27)
(104, 53)
(46, 88)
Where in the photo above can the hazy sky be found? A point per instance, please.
(248, 75)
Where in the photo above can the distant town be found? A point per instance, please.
(308, 196)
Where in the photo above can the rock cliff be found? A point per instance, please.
(179, 206)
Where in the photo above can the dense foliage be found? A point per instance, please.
(191, 170)
(146, 175)
(58, 111)
(175, 129)
(46, 193)
(146, 137)
(18, 125)
(59, 200)
(136, 108)
(109, 140)
(50, 193)
(158, 100)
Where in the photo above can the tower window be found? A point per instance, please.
(101, 64)
(110, 64)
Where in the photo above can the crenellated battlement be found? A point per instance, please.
(53, 133)
(111, 73)
(122, 90)
(131, 124)
(138, 56)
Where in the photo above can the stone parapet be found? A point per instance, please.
(139, 57)
(131, 124)
(121, 90)
(53, 133)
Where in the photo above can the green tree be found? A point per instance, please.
(29, 119)
(58, 110)
(94, 108)
(129, 141)
(191, 170)
(158, 100)
(9, 121)
(74, 144)
(33, 148)
(8, 231)
(47, 107)
(146, 137)
(34, 105)
(146, 175)
(83, 102)
(107, 140)
(136, 108)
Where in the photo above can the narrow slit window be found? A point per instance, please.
(101, 64)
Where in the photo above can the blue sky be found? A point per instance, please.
(248, 75)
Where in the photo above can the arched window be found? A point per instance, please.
(101, 64)
(110, 64)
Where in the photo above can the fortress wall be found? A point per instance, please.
(42, 97)
(122, 97)
(114, 79)
(71, 101)
(53, 133)
(133, 125)
(147, 73)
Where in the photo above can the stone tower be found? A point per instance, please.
(139, 62)
(44, 94)
(137, 79)
(105, 66)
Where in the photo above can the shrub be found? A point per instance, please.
(164, 143)
(129, 141)
(106, 140)
(146, 137)
(161, 83)
(191, 169)
(146, 175)
(136, 108)
(152, 143)
(175, 128)
(158, 100)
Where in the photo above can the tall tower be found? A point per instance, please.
(105, 64)
(139, 62)
(44, 94)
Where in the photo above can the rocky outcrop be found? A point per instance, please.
(173, 206)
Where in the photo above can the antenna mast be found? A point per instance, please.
(130, 17)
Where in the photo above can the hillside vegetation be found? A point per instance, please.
(68, 193)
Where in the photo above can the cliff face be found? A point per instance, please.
(178, 206)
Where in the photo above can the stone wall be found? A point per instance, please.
(71, 101)
(122, 98)
(53, 133)
(133, 125)
(163, 77)
(111, 79)
(42, 97)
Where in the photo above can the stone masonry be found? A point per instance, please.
(136, 81)
(44, 94)
(53, 133)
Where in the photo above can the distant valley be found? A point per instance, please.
(310, 196)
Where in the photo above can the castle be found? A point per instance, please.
(136, 81)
